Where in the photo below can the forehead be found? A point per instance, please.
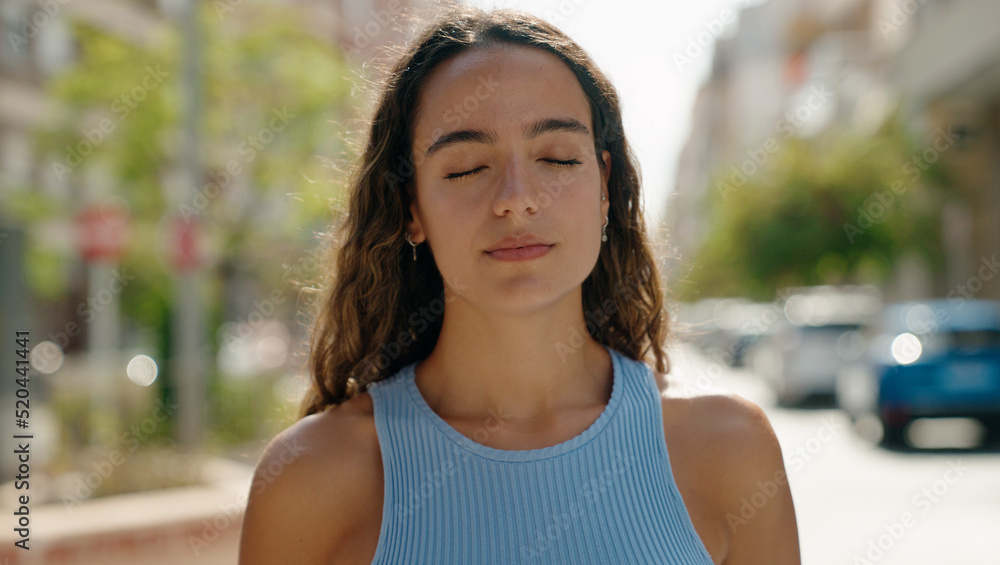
(500, 88)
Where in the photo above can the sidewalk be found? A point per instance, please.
(198, 524)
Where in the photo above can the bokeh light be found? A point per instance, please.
(906, 348)
(46, 357)
(142, 370)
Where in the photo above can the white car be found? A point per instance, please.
(821, 333)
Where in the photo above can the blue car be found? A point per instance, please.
(933, 359)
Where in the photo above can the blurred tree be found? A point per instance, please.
(273, 94)
(838, 209)
(274, 98)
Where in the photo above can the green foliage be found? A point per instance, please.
(256, 63)
(245, 410)
(271, 99)
(839, 209)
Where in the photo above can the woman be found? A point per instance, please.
(478, 393)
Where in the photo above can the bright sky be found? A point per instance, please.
(634, 42)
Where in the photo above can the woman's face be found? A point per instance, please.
(504, 146)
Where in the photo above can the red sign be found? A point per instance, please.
(102, 233)
(185, 249)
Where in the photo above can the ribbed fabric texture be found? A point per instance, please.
(605, 496)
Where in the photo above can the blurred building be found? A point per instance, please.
(37, 43)
(783, 52)
(797, 67)
(946, 58)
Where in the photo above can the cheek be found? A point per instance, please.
(449, 223)
(580, 183)
(453, 211)
(573, 197)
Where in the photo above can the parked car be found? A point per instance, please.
(750, 326)
(708, 325)
(938, 358)
(821, 332)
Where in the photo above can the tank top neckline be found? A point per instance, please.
(617, 385)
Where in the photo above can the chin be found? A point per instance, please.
(525, 295)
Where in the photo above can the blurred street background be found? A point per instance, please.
(821, 181)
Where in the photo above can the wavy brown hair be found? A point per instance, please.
(380, 310)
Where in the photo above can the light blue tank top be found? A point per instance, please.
(605, 496)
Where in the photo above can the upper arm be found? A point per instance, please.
(756, 501)
(297, 506)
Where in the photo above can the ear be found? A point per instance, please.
(413, 226)
(605, 175)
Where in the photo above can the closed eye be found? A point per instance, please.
(465, 174)
(472, 172)
(569, 163)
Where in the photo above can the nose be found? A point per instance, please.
(517, 194)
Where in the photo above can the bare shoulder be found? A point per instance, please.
(724, 449)
(315, 487)
(735, 426)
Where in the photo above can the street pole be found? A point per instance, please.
(188, 365)
(103, 352)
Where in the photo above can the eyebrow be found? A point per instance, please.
(534, 130)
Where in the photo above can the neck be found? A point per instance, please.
(526, 366)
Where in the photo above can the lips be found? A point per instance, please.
(520, 253)
(516, 242)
